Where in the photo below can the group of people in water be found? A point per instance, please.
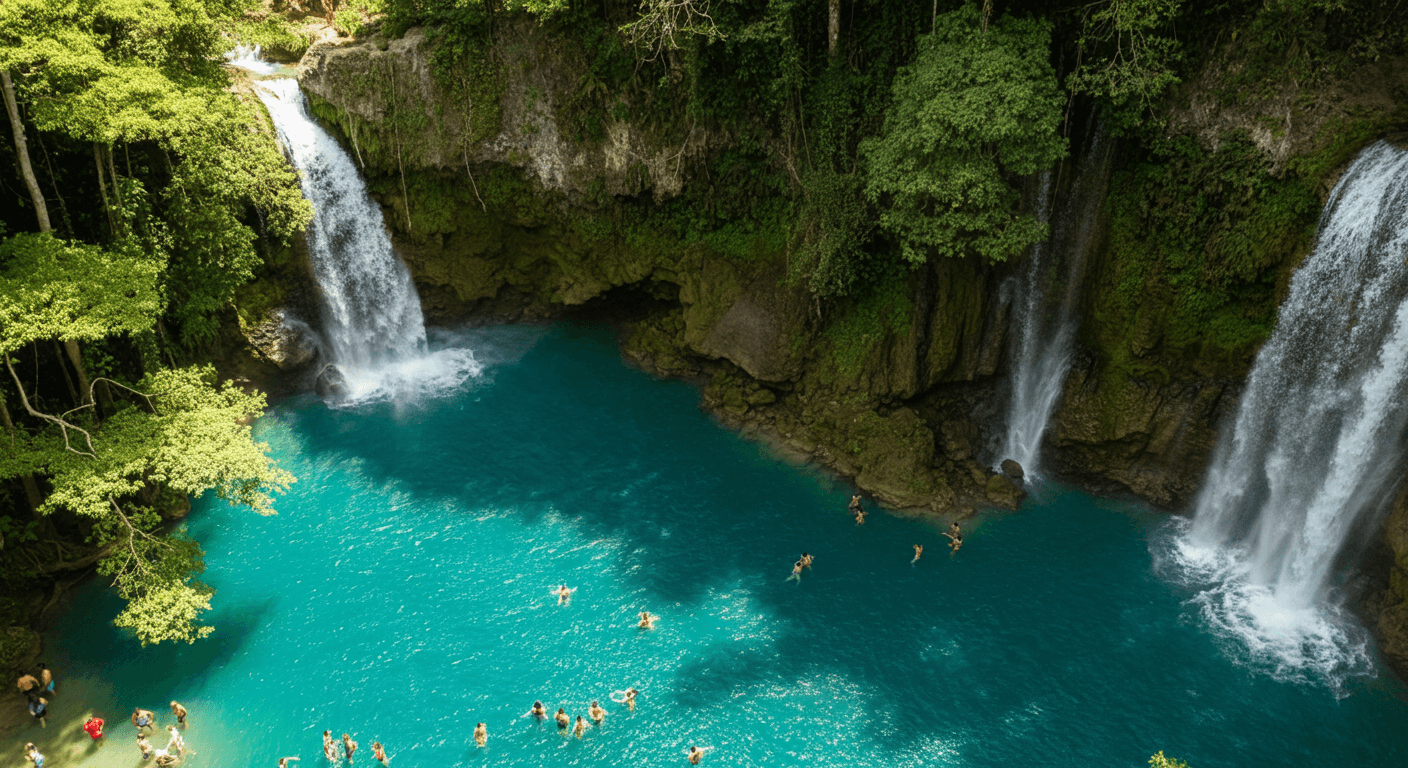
(143, 719)
(954, 534)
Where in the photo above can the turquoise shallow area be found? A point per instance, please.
(402, 594)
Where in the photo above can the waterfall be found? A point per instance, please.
(372, 318)
(1047, 296)
(1313, 456)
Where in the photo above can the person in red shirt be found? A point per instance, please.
(94, 727)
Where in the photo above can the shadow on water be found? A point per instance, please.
(698, 508)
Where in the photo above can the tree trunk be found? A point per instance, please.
(41, 211)
(75, 356)
(103, 189)
(31, 488)
(72, 390)
(833, 27)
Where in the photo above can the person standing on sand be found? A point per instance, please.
(46, 679)
(93, 727)
(481, 735)
(143, 718)
(379, 752)
(31, 753)
(180, 713)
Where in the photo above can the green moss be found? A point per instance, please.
(255, 299)
(863, 326)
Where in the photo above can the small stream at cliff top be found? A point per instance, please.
(402, 595)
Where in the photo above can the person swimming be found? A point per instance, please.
(647, 621)
(379, 752)
(860, 516)
(349, 746)
(918, 552)
(631, 699)
(481, 735)
(538, 710)
(180, 713)
(695, 755)
(796, 572)
(955, 541)
(329, 747)
(807, 560)
(564, 595)
(175, 742)
(580, 728)
(854, 506)
(283, 761)
(596, 712)
(562, 720)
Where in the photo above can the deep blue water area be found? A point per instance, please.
(402, 594)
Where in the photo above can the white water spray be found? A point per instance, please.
(1313, 455)
(372, 314)
(1045, 320)
(249, 59)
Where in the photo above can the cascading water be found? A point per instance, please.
(1312, 457)
(371, 313)
(1042, 352)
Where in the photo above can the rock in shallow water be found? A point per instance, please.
(1012, 469)
(284, 340)
(331, 382)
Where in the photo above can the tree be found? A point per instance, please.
(1159, 761)
(1125, 57)
(974, 108)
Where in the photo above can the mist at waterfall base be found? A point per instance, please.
(402, 594)
(1303, 475)
(372, 319)
(1045, 297)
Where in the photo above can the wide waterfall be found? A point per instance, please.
(371, 313)
(1047, 295)
(1309, 465)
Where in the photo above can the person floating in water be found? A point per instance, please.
(146, 747)
(806, 560)
(143, 718)
(538, 711)
(176, 743)
(93, 727)
(596, 712)
(918, 552)
(349, 746)
(564, 595)
(31, 753)
(580, 728)
(283, 761)
(860, 516)
(329, 747)
(647, 621)
(165, 759)
(955, 540)
(563, 721)
(854, 506)
(796, 572)
(180, 713)
(695, 755)
(481, 735)
(631, 699)
(379, 752)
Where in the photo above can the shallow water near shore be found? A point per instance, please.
(403, 595)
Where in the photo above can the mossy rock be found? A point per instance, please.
(19, 647)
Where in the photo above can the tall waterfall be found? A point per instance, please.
(1313, 456)
(1047, 296)
(371, 312)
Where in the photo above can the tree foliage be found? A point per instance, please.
(974, 108)
(1127, 54)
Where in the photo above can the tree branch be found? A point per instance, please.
(64, 426)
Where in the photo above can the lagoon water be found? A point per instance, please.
(402, 595)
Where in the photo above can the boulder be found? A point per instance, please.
(330, 382)
(1013, 470)
(284, 340)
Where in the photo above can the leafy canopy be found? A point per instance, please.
(973, 109)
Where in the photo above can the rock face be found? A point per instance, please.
(284, 340)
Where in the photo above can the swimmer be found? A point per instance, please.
(349, 746)
(165, 759)
(596, 712)
(40, 709)
(31, 753)
(481, 735)
(854, 506)
(145, 746)
(860, 516)
(180, 713)
(796, 572)
(806, 560)
(580, 728)
(379, 752)
(564, 595)
(647, 621)
(631, 699)
(695, 755)
(538, 711)
(918, 552)
(142, 718)
(28, 685)
(562, 719)
(283, 761)
(46, 679)
(954, 530)
(94, 727)
(329, 747)
(955, 541)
